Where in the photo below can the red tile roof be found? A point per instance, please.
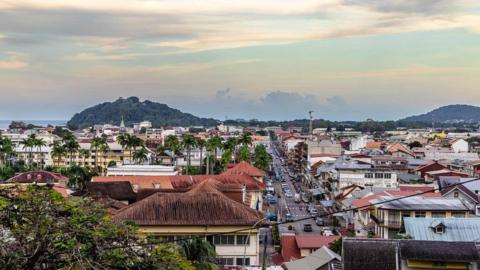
(314, 241)
(398, 147)
(184, 181)
(245, 168)
(290, 251)
(37, 176)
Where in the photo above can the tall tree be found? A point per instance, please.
(261, 158)
(172, 143)
(188, 141)
(201, 145)
(215, 144)
(96, 143)
(103, 149)
(244, 154)
(200, 252)
(39, 143)
(141, 155)
(28, 145)
(231, 144)
(245, 139)
(58, 151)
(7, 150)
(47, 231)
(84, 153)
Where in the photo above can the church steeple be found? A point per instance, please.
(122, 125)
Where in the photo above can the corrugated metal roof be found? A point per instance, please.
(421, 203)
(456, 229)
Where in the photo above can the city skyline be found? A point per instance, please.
(345, 59)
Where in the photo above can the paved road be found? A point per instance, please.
(287, 205)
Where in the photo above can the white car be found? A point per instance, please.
(313, 212)
(327, 233)
(288, 195)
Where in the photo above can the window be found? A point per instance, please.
(369, 175)
(439, 229)
(420, 214)
(224, 240)
(387, 175)
(156, 186)
(455, 194)
(241, 240)
(378, 175)
(225, 261)
(437, 214)
(240, 261)
(458, 214)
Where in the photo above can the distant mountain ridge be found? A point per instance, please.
(134, 111)
(458, 113)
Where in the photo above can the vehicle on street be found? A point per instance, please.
(270, 190)
(271, 216)
(284, 185)
(319, 221)
(307, 227)
(297, 198)
(288, 194)
(313, 212)
(289, 217)
(327, 233)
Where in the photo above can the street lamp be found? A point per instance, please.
(247, 240)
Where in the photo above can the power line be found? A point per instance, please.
(328, 214)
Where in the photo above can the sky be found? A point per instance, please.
(263, 59)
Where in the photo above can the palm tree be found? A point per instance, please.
(231, 144)
(215, 143)
(141, 155)
(28, 145)
(7, 149)
(200, 252)
(245, 139)
(132, 142)
(160, 150)
(201, 144)
(172, 144)
(96, 143)
(104, 148)
(39, 143)
(72, 146)
(58, 151)
(188, 142)
(123, 139)
(84, 153)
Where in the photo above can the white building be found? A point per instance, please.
(460, 146)
(150, 170)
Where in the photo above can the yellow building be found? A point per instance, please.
(203, 212)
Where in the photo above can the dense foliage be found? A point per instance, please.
(134, 111)
(39, 229)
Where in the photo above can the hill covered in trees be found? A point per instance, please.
(133, 111)
(448, 114)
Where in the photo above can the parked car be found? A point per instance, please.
(288, 194)
(319, 221)
(297, 198)
(313, 212)
(289, 217)
(284, 185)
(307, 227)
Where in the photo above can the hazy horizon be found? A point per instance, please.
(264, 59)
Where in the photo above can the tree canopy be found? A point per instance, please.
(39, 229)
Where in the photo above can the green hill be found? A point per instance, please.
(133, 111)
(448, 114)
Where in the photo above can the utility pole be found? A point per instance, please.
(311, 123)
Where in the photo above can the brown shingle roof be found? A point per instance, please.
(245, 168)
(37, 176)
(202, 205)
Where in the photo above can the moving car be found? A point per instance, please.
(319, 221)
(289, 217)
(271, 216)
(297, 198)
(307, 227)
(313, 212)
(327, 233)
(288, 194)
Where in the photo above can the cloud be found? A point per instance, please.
(217, 24)
(13, 61)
